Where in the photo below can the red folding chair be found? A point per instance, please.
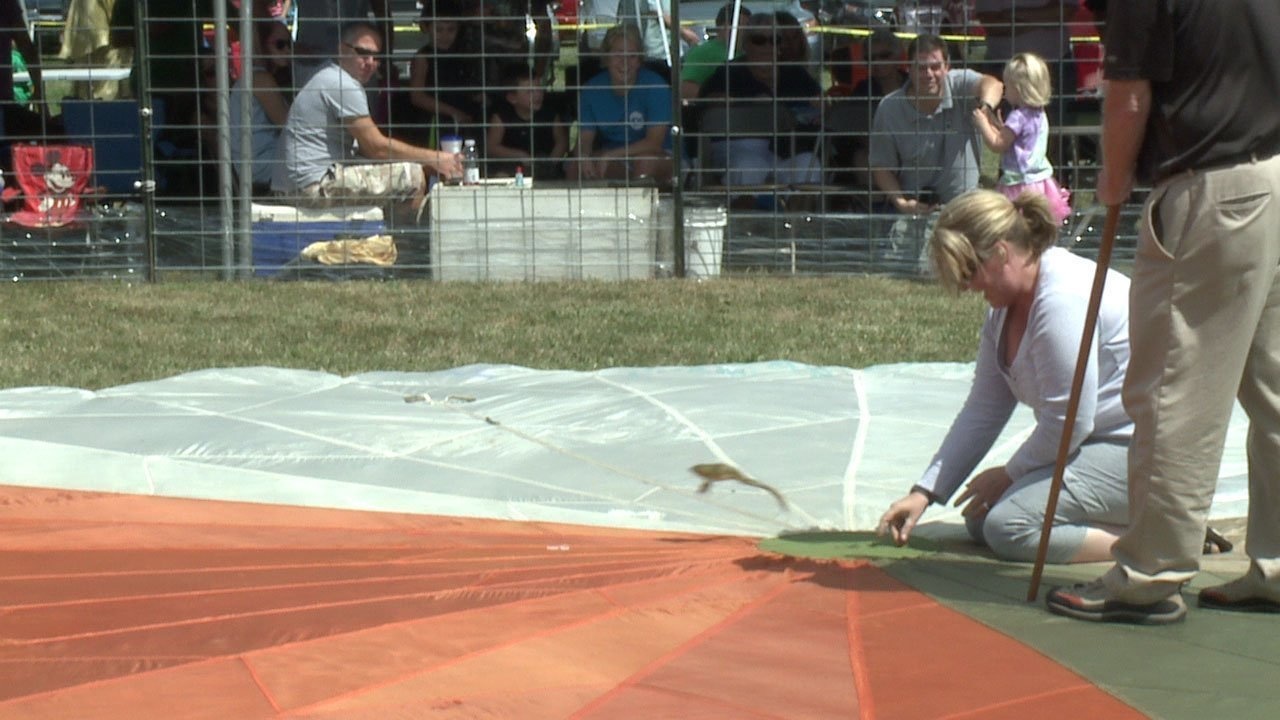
(49, 231)
(51, 183)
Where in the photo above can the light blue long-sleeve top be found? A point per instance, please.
(1041, 375)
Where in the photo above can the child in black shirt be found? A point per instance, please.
(525, 129)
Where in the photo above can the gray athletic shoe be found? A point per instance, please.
(1093, 601)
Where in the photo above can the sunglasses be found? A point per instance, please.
(279, 44)
(760, 39)
(363, 52)
(883, 56)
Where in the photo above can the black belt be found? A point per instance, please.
(1240, 158)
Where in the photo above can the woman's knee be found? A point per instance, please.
(1014, 534)
(1011, 533)
(974, 523)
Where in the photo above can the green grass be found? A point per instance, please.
(93, 335)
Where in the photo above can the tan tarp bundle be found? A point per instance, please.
(374, 250)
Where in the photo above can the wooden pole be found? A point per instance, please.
(1073, 401)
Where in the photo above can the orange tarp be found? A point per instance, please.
(117, 606)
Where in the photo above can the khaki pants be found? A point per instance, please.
(1204, 327)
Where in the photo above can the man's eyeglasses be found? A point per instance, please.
(882, 56)
(362, 51)
(281, 44)
(760, 39)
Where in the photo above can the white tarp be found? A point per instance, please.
(610, 447)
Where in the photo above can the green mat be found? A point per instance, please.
(847, 545)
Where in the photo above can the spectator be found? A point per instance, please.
(1027, 354)
(924, 150)
(18, 119)
(644, 14)
(175, 40)
(524, 131)
(269, 107)
(1034, 26)
(23, 90)
(654, 20)
(757, 78)
(792, 44)
(283, 11)
(15, 42)
(318, 167)
(1203, 315)
(596, 17)
(319, 27)
(884, 66)
(445, 86)
(86, 42)
(1016, 26)
(1023, 136)
(624, 128)
(851, 107)
(702, 60)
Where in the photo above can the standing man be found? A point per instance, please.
(1205, 298)
(924, 148)
(319, 166)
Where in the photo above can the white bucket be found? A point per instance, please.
(703, 240)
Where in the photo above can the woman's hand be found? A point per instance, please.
(901, 517)
(983, 491)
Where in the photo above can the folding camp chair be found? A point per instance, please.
(50, 231)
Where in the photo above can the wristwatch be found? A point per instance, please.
(933, 499)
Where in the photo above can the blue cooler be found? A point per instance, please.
(280, 232)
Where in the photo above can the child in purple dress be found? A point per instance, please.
(1022, 138)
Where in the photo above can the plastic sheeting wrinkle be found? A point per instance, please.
(855, 452)
(624, 472)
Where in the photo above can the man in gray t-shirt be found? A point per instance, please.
(331, 150)
(924, 149)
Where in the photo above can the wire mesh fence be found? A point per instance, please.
(617, 140)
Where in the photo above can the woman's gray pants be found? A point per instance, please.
(1095, 492)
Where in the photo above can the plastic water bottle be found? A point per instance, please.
(470, 163)
(519, 176)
